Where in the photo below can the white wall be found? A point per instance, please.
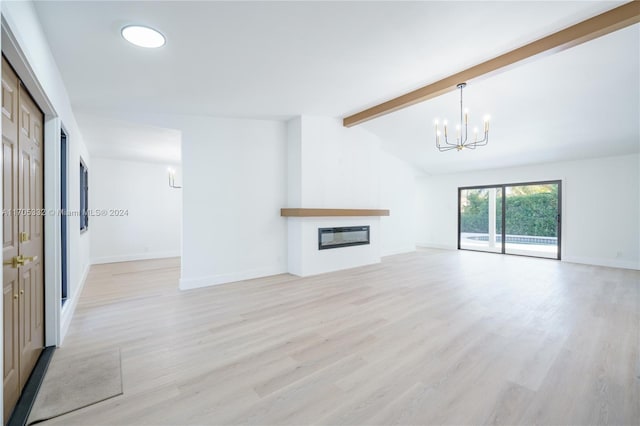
(331, 166)
(340, 167)
(234, 179)
(306, 259)
(26, 47)
(152, 225)
(398, 193)
(600, 207)
(237, 177)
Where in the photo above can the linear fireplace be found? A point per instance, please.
(329, 238)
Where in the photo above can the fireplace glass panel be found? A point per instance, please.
(329, 238)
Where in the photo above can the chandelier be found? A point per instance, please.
(462, 138)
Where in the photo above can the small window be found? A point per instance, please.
(84, 197)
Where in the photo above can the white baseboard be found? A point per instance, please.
(401, 250)
(611, 263)
(437, 246)
(69, 308)
(328, 271)
(132, 257)
(192, 283)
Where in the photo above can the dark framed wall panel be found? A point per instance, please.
(84, 196)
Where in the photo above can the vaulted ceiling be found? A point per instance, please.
(281, 59)
(580, 103)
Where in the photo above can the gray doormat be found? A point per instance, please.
(77, 382)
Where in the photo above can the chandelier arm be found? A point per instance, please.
(482, 142)
(485, 140)
(474, 145)
(447, 145)
(447, 148)
(446, 141)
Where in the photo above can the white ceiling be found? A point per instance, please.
(116, 138)
(280, 59)
(583, 102)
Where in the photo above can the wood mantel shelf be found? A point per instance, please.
(332, 212)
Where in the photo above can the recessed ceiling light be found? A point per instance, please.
(143, 36)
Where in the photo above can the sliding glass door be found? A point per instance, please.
(521, 219)
(480, 219)
(532, 219)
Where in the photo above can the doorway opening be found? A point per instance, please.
(521, 219)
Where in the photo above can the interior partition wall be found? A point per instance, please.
(518, 218)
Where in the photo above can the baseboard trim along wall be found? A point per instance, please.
(436, 246)
(401, 250)
(611, 263)
(132, 257)
(193, 283)
(69, 308)
(330, 271)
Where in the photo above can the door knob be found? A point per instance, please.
(20, 260)
(15, 262)
(27, 259)
(15, 296)
(21, 291)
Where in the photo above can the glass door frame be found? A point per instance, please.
(503, 187)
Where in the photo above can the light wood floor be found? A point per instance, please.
(431, 337)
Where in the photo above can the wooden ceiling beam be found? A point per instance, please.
(605, 23)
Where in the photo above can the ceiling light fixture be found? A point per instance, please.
(143, 36)
(462, 140)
